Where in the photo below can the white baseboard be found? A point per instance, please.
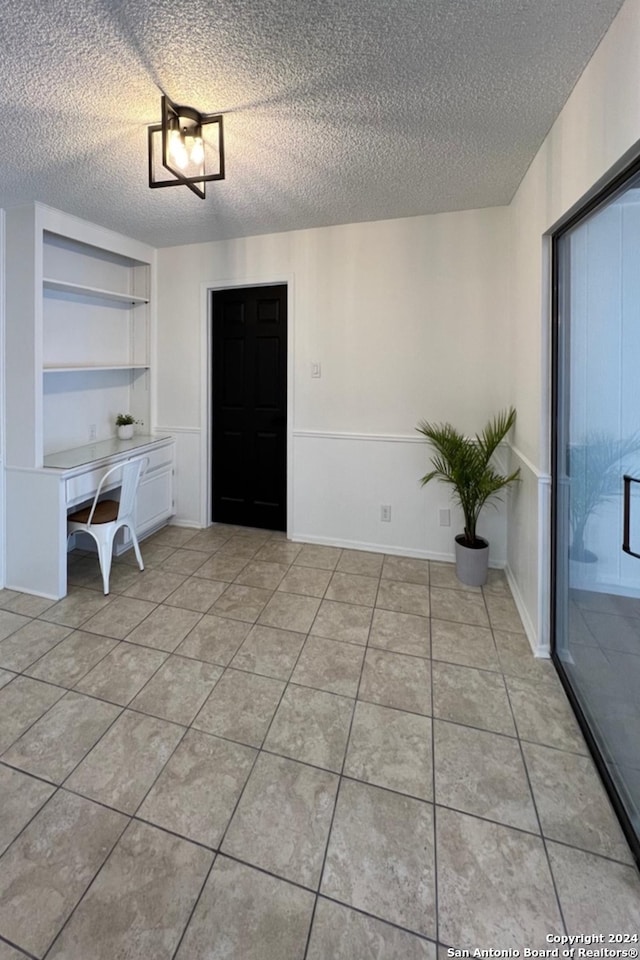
(376, 548)
(191, 524)
(529, 629)
(32, 593)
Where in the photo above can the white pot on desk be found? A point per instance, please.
(125, 432)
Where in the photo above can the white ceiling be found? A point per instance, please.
(336, 111)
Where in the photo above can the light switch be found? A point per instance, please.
(316, 371)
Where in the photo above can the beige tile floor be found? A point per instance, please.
(262, 750)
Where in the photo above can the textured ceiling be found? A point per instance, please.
(336, 111)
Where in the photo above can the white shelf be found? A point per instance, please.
(84, 367)
(62, 286)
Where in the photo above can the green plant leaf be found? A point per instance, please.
(464, 464)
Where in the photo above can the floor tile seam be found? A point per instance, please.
(20, 950)
(154, 674)
(224, 671)
(29, 621)
(336, 799)
(87, 752)
(423, 616)
(386, 706)
(37, 659)
(380, 919)
(307, 763)
(27, 773)
(491, 820)
(554, 885)
(131, 699)
(436, 902)
(53, 683)
(210, 848)
(122, 596)
(91, 881)
(220, 736)
(259, 752)
(335, 803)
(25, 826)
(154, 716)
(77, 626)
(39, 717)
(265, 871)
(416, 656)
(194, 907)
(631, 864)
(473, 726)
(460, 623)
(60, 783)
(550, 746)
(471, 666)
(155, 779)
(470, 726)
(318, 636)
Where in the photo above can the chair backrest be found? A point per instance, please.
(132, 471)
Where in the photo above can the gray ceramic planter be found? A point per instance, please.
(472, 563)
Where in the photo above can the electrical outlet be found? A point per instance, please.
(316, 370)
(445, 517)
(385, 512)
(92, 432)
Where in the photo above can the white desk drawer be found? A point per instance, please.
(84, 485)
(160, 458)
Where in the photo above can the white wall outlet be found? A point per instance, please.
(445, 517)
(316, 370)
(385, 512)
(92, 432)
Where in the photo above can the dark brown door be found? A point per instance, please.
(250, 406)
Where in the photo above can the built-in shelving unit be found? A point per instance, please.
(79, 343)
(79, 315)
(95, 293)
(77, 368)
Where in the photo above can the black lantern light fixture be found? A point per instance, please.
(189, 145)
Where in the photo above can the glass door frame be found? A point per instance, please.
(607, 193)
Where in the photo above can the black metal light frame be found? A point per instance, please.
(172, 115)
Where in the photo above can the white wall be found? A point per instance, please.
(408, 319)
(599, 123)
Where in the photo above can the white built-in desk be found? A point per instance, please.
(41, 497)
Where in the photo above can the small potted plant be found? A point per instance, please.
(465, 464)
(125, 423)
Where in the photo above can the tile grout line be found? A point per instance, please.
(339, 787)
(433, 775)
(91, 881)
(531, 792)
(20, 950)
(237, 803)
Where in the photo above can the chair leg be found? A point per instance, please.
(136, 547)
(105, 551)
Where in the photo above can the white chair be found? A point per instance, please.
(104, 518)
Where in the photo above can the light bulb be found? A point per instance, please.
(178, 150)
(197, 151)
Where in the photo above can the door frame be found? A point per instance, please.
(605, 189)
(206, 384)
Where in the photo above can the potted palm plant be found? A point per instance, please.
(465, 464)
(595, 476)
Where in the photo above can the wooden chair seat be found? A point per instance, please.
(106, 511)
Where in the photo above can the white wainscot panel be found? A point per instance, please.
(528, 559)
(341, 481)
(188, 479)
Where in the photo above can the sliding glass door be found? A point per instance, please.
(596, 575)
